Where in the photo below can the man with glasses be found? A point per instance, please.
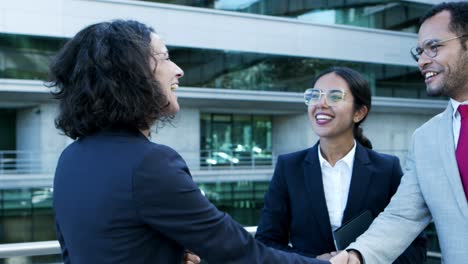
(435, 183)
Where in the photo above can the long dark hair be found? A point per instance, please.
(103, 79)
(359, 87)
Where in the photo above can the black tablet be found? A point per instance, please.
(349, 231)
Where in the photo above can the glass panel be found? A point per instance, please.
(251, 71)
(242, 200)
(7, 130)
(27, 57)
(235, 140)
(242, 138)
(261, 149)
(382, 14)
(223, 69)
(26, 215)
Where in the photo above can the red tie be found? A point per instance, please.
(462, 148)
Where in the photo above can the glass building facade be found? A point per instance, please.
(394, 15)
(28, 57)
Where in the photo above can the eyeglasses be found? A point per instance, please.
(430, 47)
(312, 96)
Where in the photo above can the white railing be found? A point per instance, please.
(20, 162)
(212, 159)
(36, 162)
(31, 249)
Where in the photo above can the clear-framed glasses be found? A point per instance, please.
(430, 47)
(312, 96)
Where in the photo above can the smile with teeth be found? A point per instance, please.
(320, 117)
(174, 86)
(428, 75)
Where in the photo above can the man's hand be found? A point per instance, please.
(340, 258)
(354, 257)
(191, 258)
(327, 256)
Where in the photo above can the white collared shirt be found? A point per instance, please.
(456, 120)
(336, 182)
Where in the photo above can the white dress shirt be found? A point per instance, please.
(336, 182)
(456, 120)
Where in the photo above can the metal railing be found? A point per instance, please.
(20, 162)
(53, 248)
(49, 247)
(36, 162)
(29, 249)
(212, 159)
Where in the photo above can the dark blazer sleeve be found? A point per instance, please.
(416, 253)
(274, 224)
(63, 246)
(170, 202)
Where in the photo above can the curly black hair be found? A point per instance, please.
(458, 15)
(362, 96)
(103, 79)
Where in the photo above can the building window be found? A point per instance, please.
(28, 57)
(235, 140)
(381, 14)
(242, 200)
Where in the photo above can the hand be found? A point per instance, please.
(354, 257)
(327, 256)
(191, 258)
(340, 258)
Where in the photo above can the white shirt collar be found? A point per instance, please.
(455, 105)
(348, 159)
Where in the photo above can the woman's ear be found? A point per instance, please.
(360, 114)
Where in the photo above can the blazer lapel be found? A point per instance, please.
(360, 181)
(447, 150)
(314, 186)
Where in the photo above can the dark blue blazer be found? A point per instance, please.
(119, 198)
(295, 209)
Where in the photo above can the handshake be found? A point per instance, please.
(336, 257)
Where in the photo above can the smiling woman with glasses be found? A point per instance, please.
(316, 190)
(312, 96)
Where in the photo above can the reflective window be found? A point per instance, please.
(21, 58)
(242, 200)
(235, 140)
(26, 57)
(254, 71)
(26, 215)
(382, 14)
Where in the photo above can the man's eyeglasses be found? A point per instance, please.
(312, 96)
(430, 47)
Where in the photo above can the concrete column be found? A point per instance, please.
(183, 135)
(292, 133)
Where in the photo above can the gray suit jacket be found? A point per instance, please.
(430, 189)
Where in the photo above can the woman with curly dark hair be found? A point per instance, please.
(118, 197)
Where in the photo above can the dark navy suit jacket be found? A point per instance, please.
(295, 209)
(119, 198)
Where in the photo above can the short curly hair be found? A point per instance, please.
(103, 80)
